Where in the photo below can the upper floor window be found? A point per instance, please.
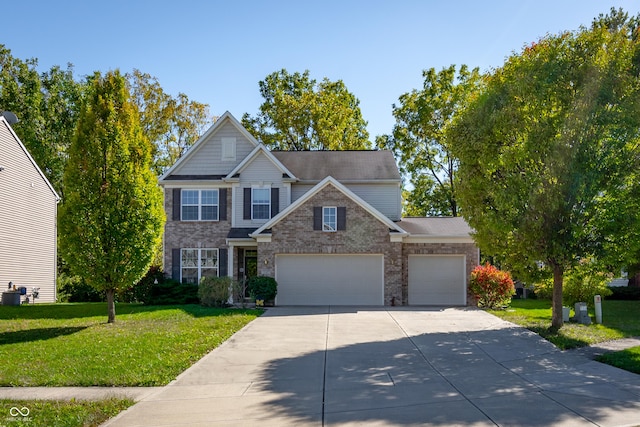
(199, 205)
(198, 263)
(260, 203)
(329, 218)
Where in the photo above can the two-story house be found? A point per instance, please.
(28, 230)
(326, 224)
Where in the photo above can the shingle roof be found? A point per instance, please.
(436, 226)
(342, 165)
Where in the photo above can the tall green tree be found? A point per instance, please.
(111, 221)
(47, 105)
(298, 113)
(172, 124)
(420, 143)
(549, 152)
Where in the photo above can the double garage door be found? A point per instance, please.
(359, 279)
(330, 279)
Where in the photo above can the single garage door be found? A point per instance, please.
(330, 279)
(437, 280)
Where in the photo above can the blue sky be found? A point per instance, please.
(216, 52)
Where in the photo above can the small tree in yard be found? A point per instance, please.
(492, 288)
(112, 217)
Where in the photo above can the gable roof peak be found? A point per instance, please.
(329, 180)
(260, 148)
(227, 117)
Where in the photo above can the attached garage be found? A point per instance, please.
(437, 280)
(345, 279)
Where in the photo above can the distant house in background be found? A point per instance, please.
(27, 220)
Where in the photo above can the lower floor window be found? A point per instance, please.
(198, 263)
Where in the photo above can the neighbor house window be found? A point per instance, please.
(329, 218)
(260, 203)
(198, 263)
(199, 205)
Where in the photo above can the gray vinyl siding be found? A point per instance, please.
(386, 198)
(260, 171)
(208, 159)
(27, 222)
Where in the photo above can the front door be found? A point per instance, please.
(250, 265)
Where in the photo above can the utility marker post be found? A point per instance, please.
(597, 300)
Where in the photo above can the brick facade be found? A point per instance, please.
(364, 234)
(294, 234)
(192, 234)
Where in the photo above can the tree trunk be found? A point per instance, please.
(556, 318)
(111, 305)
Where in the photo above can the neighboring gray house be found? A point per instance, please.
(326, 224)
(27, 220)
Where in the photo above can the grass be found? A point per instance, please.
(621, 319)
(46, 413)
(72, 345)
(628, 359)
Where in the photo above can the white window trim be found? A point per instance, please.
(199, 261)
(268, 189)
(199, 205)
(327, 227)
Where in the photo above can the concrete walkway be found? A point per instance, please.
(389, 367)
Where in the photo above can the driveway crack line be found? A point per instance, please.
(426, 359)
(324, 374)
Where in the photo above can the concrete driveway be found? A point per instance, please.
(390, 367)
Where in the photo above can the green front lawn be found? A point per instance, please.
(620, 319)
(628, 359)
(44, 413)
(72, 345)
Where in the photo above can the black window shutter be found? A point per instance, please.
(222, 204)
(223, 271)
(175, 264)
(342, 218)
(317, 217)
(176, 204)
(246, 214)
(275, 201)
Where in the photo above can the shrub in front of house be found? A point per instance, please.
(492, 288)
(142, 291)
(263, 288)
(166, 291)
(74, 289)
(215, 291)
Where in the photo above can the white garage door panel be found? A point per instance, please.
(437, 280)
(329, 279)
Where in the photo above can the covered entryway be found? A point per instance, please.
(437, 280)
(330, 279)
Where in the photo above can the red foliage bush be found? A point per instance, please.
(492, 287)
